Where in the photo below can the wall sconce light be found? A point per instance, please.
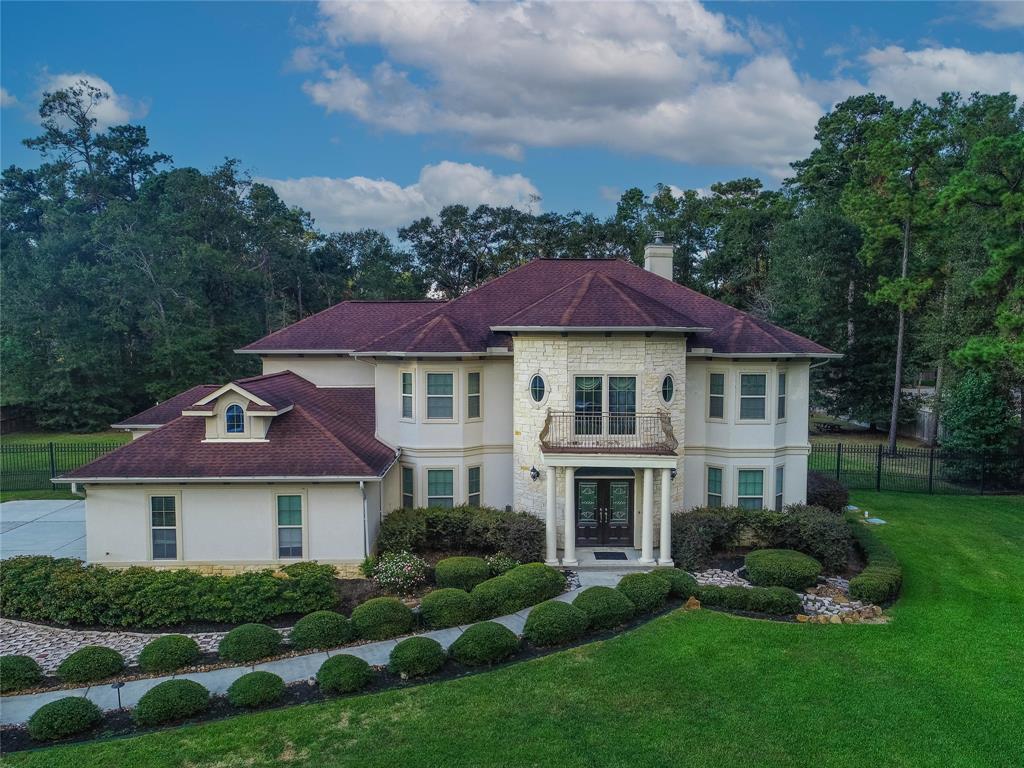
(674, 472)
(534, 474)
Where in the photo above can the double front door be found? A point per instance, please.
(604, 513)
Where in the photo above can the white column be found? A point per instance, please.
(647, 536)
(552, 519)
(665, 547)
(569, 549)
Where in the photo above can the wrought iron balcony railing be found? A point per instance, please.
(629, 433)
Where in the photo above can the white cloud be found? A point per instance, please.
(357, 202)
(904, 75)
(116, 110)
(7, 99)
(999, 15)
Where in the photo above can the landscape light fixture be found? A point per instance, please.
(534, 474)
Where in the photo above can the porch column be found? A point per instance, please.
(647, 536)
(665, 547)
(569, 549)
(552, 520)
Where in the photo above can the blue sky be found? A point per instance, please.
(371, 114)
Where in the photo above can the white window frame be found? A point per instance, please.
(480, 488)
(724, 418)
(763, 486)
(707, 484)
(780, 484)
(479, 395)
(529, 389)
(454, 397)
(402, 373)
(401, 485)
(426, 484)
(740, 396)
(303, 525)
(781, 396)
(661, 389)
(176, 495)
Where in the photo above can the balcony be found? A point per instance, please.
(613, 433)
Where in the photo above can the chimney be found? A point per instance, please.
(658, 257)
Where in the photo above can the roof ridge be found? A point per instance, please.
(614, 285)
(264, 376)
(587, 280)
(548, 295)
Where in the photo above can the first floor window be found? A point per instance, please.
(779, 481)
(408, 484)
(473, 395)
(289, 526)
(752, 396)
(714, 486)
(440, 487)
(473, 483)
(440, 396)
(164, 521)
(406, 394)
(750, 489)
(716, 396)
(781, 408)
(234, 419)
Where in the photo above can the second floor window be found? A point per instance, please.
(407, 397)
(589, 403)
(440, 396)
(752, 396)
(716, 396)
(621, 405)
(782, 397)
(234, 419)
(473, 395)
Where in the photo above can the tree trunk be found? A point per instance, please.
(933, 427)
(898, 383)
(850, 293)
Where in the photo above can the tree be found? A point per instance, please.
(980, 428)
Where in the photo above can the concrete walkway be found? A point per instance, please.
(18, 709)
(42, 527)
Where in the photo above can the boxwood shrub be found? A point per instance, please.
(256, 689)
(483, 644)
(382, 618)
(448, 607)
(249, 643)
(169, 653)
(825, 491)
(777, 601)
(18, 673)
(537, 582)
(647, 591)
(519, 535)
(880, 581)
(416, 657)
(343, 674)
(555, 623)
(781, 568)
(170, 701)
(64, 717)
(89, 664)
(321, 630)
(461, 572)
(605, 607)
(498, 596)
(681, 584)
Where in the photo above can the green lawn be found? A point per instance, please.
(66, 438)
(941, 685)
(22, 495)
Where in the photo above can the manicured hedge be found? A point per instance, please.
(416, 657)
(555, 623)
(777, 601)
(825, 491)
(448, 608)
(647, 591)
(256, 689)
(483, 644)
(321, 630)
(18, 673)
(681, 584)
(64, 717)
(523, 586)
(90, 664)
(65, 591)
(881, 580)
(463, 529)
(169, 653)
(605, 607)
(343, 674)
(781, 568)
(249, 643)
(170, 701)
(382, 618)
(461, 572)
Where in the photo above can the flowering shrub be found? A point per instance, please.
(499, 563)
(400, 573)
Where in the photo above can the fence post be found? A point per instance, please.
(878, 469)
(839, 459)
(53, 466)
(931, 468)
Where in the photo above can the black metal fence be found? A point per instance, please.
(919, 470)
(29, 467)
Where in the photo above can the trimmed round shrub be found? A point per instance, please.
(89, 664)
(447, 608)
(646, 591)
(64, 717)
(343, 674)
(537, 582)
(18, 673)
(461, 572)
(825, 491)
(170, 701)
(555, 623)
(381, 618)
(777, 601)
(876, 584)
(256, 689)
(782, 568)
(416, 657)
(321, 630)
(605, 607)
(680, 583)
(249, 643)
(169, 653)
(485, 643)
(498, 596)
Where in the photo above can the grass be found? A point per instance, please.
(66, 438)
(940, 685)
(23, 495)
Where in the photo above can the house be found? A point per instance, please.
(594, 394)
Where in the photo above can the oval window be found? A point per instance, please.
(537, 388)
(668, 388)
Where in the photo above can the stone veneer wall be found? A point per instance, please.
(559, 359)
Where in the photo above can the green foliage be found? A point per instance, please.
(400, 573)
(416, 657)
(461, 572)
(171, 701)
(448, 608)
(256, 689)
(343, 674)
(881, 580)
(168, 653)
(64, 717)
(249, 643)
(18, 673)
(321, 630)
(825, 491)
(555, 623)
(681, 584)
(381, 618)
(782, 568)
(483, 644)
(537, 582)
(981, 428)
(90, 664)
(499, 596)
(647, 591)
(518, 535)
(776, 601)
(605, 607)
(500, 563)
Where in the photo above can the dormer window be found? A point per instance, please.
(234, 419)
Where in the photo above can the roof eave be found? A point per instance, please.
(599, 328)
(247, 351)
(235, 479)
(762, 355)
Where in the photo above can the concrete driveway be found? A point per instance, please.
(42, 528)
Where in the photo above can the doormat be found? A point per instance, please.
(610, 556)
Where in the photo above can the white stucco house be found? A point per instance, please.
(594, 394)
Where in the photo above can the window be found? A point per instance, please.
(752, 396)
(473, 484)
(537, 388)
(716, 396)
(668, 389)
(440, 395)
(589, 403)
(234, 419)
(440, 487)
(473, 395)
(621, 405)
(408, 485)
(163, 519)
(714, 486)
(407, 398)
(750, 489)
(779, 482)
(289, 526)
(781, 407)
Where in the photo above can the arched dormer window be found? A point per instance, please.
(234, 419)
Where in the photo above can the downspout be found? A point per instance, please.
(366, 530)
